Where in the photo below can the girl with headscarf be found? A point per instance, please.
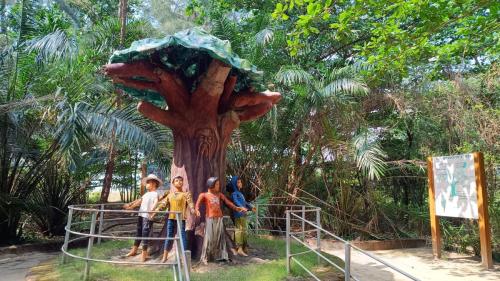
(214, 240)
(240, 218)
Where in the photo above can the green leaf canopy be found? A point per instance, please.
(187, 53)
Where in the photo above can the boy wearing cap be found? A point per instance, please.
(214, 240)
(175, 201)
(144, 224)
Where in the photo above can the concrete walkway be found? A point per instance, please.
(418, 262)
(15, 267)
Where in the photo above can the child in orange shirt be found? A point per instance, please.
(214, 240)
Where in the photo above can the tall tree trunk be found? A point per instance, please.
(108, 172)
(110, 165)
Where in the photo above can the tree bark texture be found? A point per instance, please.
(201, 121)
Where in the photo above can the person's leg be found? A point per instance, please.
(245, 233)
(206, 254)
(146, 231)
(168, 243)
(183, 234)
(220, 243)
(239, 234)
(137, 242)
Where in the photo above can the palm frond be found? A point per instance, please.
(53, 46)
(340, 88)
(349, 71)
(129, 127)
(291, 75)
(369, 156)
(264, 36)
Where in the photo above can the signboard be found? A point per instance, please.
(455, 186)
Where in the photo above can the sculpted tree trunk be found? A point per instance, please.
(201, 120)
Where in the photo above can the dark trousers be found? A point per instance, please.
(171, 226)
(144, 227)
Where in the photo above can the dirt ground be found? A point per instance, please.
(418, 262)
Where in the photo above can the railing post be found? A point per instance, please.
(347, 262)
(287, 241)
(181, 249)
(318, 232)
(101, 222)
(89, 246)
(174, 269)
(66, 235)
(303, 223)
(257, 219)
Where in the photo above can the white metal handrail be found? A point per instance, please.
(347, 250)
(179, 266)
(303, 209)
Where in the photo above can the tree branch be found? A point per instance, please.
(130, 70)
(249, 98)
(164, 117)
(136, 84)
(226, 93)
(173, 90)
(253, 112)
(206, 97)
(228, 122)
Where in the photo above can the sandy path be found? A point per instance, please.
(418, 262)
(14, 267)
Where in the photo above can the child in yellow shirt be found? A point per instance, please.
(175, 201)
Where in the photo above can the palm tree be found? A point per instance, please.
(54, 106)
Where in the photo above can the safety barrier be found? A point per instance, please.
(296, 219)
(348, 247)
(97, 213)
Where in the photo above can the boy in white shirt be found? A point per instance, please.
(144, 223)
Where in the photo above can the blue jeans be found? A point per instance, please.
(171, 230)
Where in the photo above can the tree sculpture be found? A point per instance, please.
(194, 84)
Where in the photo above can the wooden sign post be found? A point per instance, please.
(457, 188)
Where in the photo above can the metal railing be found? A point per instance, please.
(264, 218)
(179, 265)
(297, 218)
(348, 247)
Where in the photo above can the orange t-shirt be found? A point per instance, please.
(213, 204)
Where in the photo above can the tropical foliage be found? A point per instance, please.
(370, 90)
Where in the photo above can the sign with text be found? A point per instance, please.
(455, 186)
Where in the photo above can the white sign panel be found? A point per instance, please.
(455, 186)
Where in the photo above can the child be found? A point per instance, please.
(214, 240)
(175, 201)
(144, 223)
(240, 220)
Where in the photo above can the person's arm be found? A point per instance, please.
(231, 205)
(152, 214)
(132, 205)
(160, 205)
(249, 206)
(201, 197)
(236, 198)
(163, 204)
(189, 200)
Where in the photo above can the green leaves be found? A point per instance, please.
(369, 155)
(291, 75)
(395, 36)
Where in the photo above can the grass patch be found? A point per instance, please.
(275, 269)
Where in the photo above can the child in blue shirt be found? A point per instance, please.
(240, 218)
